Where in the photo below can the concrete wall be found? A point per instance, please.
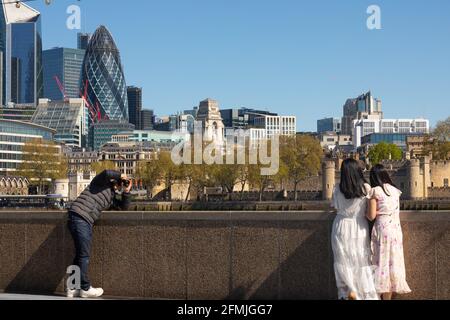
(209, 255)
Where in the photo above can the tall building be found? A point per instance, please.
(209, 115)
(135, 105)
(83, 40)
(68, 118)
(329, 125)
(64, 63)
(102, 132)
(103, 77)
(242, 118)
(21, 44)
(13, 136)
(362, 107)
(147, 120)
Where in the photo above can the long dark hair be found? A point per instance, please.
(379, 176)
(352, 180)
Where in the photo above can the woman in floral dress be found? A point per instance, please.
(387, 236)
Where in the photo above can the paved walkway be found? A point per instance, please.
(27, 297)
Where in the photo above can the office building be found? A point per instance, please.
(18, 112)
(13, 136)
(83, 40)
(68, 118)
(65, 65)
(103, 78)
(21, 44)
(362, 107)
(277, 125)
(148, 120)
(364, 127)
(134, 95)
(242, 118)
(399, 139)
(102, 132)
(329, 124)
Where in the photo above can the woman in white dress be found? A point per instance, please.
(350, 237)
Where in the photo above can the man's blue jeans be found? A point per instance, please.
(81, 231)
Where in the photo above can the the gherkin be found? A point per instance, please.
(103, 79)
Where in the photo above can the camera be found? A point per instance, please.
(125, 183)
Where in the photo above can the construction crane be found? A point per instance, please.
(61, 88)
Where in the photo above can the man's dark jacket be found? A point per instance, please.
(100, 196)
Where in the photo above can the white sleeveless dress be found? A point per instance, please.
(350, 241)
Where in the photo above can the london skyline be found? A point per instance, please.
(298, 58)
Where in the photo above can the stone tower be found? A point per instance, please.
(328, 179)
(209, 115)
(414, 177)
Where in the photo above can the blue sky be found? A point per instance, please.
(291, 56)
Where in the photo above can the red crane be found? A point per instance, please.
(61, 88)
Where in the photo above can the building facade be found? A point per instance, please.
(211, 119)
(103, 78)
(68, 118)
(147, 119)
(18, 112)
(277, 125)
(65, 64)
(134, 95)
(13, 136)
(21, 44)
(83, 40)
(364, 127)
(363, 107)
(101, 132)
(329, 124)
(242, 118)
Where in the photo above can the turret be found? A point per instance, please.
(328, 179)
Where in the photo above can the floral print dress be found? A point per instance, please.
(387, 242)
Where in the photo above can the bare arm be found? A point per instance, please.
(372, 210)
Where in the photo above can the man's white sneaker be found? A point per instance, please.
(72, 293)
(92, 293)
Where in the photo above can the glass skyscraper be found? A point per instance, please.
(135, 106)
(103, 77)
(21, 44)
(65, 63)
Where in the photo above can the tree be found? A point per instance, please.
(42, 161)
(442, 131)
(150, 172)
(439, 144)
(101, 166)
(256, 179)
(300, 159)
(384, 151)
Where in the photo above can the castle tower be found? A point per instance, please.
(415, 180)
(328, 179)
(426, 176)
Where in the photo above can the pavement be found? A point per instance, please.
(28, 297)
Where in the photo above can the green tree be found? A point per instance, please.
(42, 161)
(300, 159)
(101, 166)
(442, 131)
(384, 151)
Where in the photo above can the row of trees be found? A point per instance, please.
(300, 158)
